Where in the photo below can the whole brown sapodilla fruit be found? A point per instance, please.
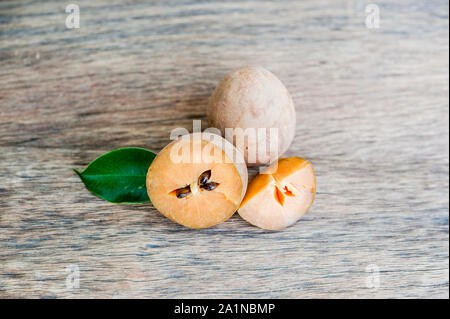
(252, 99)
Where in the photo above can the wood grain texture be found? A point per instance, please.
(372, 112)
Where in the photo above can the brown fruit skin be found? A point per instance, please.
(253, 97)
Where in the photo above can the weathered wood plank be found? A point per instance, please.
(372, 111)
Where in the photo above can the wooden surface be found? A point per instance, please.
(372, 112)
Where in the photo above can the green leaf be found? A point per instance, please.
(119, 176)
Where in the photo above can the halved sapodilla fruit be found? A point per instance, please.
(281, 195)
(198, 180)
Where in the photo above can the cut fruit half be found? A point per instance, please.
(280, 198)
(198, 180)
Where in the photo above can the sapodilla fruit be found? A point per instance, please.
(257, 110)
(198, 180)
(281, 196)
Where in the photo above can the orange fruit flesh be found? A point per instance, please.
(281, 197)
(201, 208)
